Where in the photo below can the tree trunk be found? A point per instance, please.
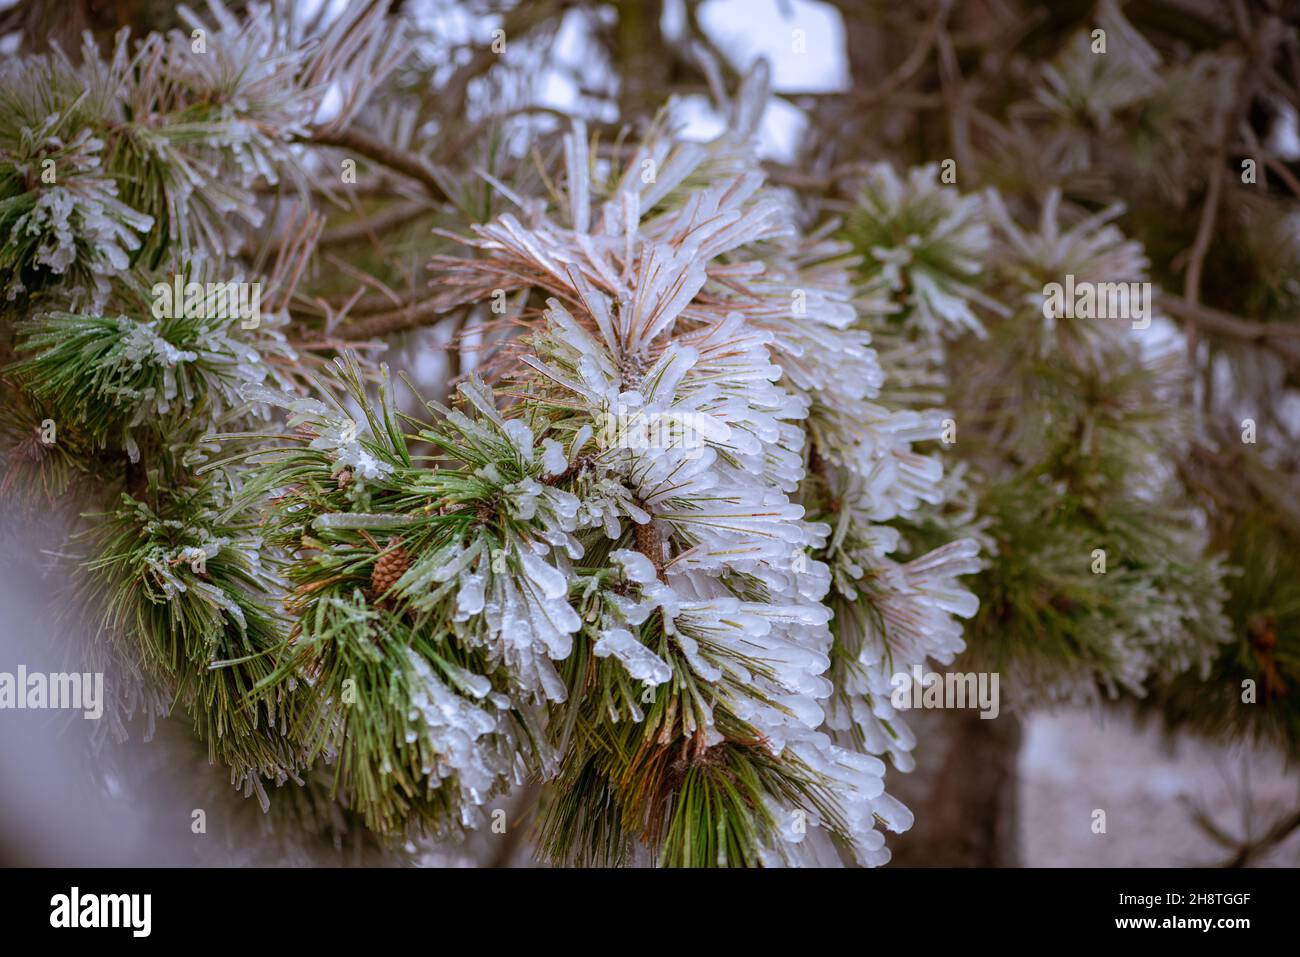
(643, 59)
(964, 792)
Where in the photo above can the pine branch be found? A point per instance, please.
(1281, 337)
(411, 165)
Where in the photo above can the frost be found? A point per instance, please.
(553, 460)
(361, 520)
(77, 223)
(741, 592)
(450, 731)
(641, 663)
(636, 567)
(335, 432)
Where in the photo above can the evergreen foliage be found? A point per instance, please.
(719, 455)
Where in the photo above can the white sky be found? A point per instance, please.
(803, 42)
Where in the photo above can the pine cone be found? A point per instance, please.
(651, 545)
(389, 567)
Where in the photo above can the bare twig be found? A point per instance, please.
(392, 218)
(1250, 850)
(1226, 324)
(1204, 232)
(1252, 145)
(1283, 173)
(960, 94)
(398, 320)
(915, 59)
(1282, 337)
(408, 164)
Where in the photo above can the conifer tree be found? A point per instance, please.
(424, 449)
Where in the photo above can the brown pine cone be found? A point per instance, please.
(651, 545)
(389, 567)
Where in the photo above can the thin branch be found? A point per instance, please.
(366, 304)
(398, 320)
(392, 218)
(1281, 337)
(1248, 851)
(1226, 324)
(1252, 145)
(1282, 172)
(915, 60)
(408, 164)
(959, 93)
(1204, 231)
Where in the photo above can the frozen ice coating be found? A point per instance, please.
(692, 448)
(647, 342)
(81, 217)
(449, 730)
(333, 431)
(941, 299)
(553, 458)
(641, 663)
(636, 567)
(627, 520)
(720, 562)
